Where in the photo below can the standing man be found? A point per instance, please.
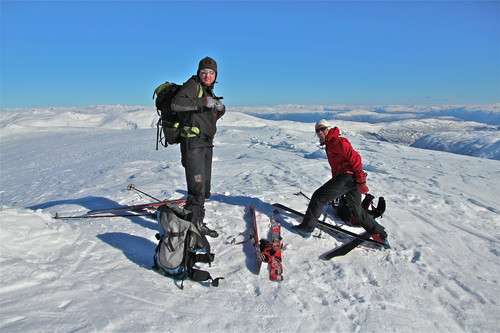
(348, 179)
(198, 109)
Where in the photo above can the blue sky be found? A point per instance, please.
(78, 53)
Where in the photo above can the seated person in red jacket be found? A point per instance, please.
(348, 178)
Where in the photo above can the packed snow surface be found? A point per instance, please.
(94, 275)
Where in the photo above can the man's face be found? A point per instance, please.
(207, 76)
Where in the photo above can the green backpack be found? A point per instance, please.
(169, 121)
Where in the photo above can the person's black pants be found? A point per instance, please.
(197, 163)
(333, 189)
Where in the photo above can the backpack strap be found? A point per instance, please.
(158, 131)
(368, 205)
(193, 132)
(199, 275)
(200, 90)
(380, 206)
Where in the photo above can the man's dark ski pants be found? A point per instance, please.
(197, 163)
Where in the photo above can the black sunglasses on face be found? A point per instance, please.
(321, 129)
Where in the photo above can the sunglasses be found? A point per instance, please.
(321, 129)
(207, 71)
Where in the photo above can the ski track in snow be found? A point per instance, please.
(94, 275)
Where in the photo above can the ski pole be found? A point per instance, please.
(302, 194)
(132, 187)
(138, 207)
(59, 217)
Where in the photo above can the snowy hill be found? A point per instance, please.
(446, 128)
(94, 275)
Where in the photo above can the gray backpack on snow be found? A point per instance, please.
(180, 246)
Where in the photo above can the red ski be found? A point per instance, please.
(271, 251)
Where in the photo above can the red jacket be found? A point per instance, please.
(341, 156)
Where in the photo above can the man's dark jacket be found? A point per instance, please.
(193, 112)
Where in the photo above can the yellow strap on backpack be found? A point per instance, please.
(200, 92)
(190, 132)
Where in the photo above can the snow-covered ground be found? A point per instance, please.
(94, 274)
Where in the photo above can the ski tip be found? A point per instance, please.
(385, 244)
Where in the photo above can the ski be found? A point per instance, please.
(275, 264)
(345, 248)
(138, 207)
(86, 216)
(255, 236)
(332, 227)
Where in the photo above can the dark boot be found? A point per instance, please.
(205, 229)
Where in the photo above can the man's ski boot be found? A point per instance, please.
(207, 231)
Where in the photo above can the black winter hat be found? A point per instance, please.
(208, 62)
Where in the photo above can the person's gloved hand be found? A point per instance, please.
(210, 102)
(214, 103)
(363, 189)
(360, 176)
